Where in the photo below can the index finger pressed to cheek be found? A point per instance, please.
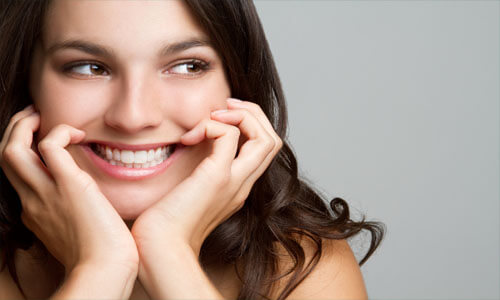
(52, 148)
(22, 161)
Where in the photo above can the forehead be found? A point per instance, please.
(126, 25)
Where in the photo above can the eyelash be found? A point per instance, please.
(199, 64)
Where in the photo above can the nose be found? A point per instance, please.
(134, 107)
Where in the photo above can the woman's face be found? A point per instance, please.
(135, 76)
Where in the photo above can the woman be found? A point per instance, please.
(132, 170)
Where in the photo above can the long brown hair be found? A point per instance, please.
(281, 208)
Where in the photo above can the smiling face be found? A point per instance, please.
(135, 76)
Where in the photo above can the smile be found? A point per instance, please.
(133, 159)
(132, 162)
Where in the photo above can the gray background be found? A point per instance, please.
(394, 106)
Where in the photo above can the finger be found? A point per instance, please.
(20, 186)
(52, 148)
(15, 118)
(225, 141)
(257, 111)
(19, 160)
(246, 185)
(258, 146)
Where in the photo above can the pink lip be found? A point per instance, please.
(125, 173)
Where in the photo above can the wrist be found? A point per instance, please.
(176, 273)
(125, 264)
(92, 279)
(169, 252)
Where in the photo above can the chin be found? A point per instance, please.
(130, 203)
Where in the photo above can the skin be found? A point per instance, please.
(136, 101)
(134, 97)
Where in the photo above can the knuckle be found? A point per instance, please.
(10, 153)
(234, 131)
(216, 173)
(84, 181)
(246, 113)
(255, 107)
(17, 117)
(45, 146)
(205, 123)
(30, 208)
(60, 128)
(221, 177)
(279, 143)
(268, 145)
(240, 199)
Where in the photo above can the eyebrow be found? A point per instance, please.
(99, 50)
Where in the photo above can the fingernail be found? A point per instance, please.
(215, 112)
(234, 100)
(30, 107)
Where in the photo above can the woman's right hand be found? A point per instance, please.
(62, 204)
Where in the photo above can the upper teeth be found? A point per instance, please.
(137, 159)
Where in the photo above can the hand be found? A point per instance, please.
(219, 185)
(62, 205)
(169, 234)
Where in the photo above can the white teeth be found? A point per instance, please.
(151, 155)
(158, 154)
(116, 155)
(140, 157)
(127, 156)
(109, 153)
(134, 159)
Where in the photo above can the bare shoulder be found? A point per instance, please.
(336, 276)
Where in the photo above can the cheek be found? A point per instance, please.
(193, 100)
(80, 103)
(62, 102)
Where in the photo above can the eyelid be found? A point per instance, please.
(67, 67)
(202, 64)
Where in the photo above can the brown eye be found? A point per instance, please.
(87, 69)
(189, 68)
(192, 68)
(96, 70)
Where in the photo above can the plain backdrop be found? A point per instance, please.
(394, 106)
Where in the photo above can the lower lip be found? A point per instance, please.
(125, 173)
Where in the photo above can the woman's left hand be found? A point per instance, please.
(218, 186)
